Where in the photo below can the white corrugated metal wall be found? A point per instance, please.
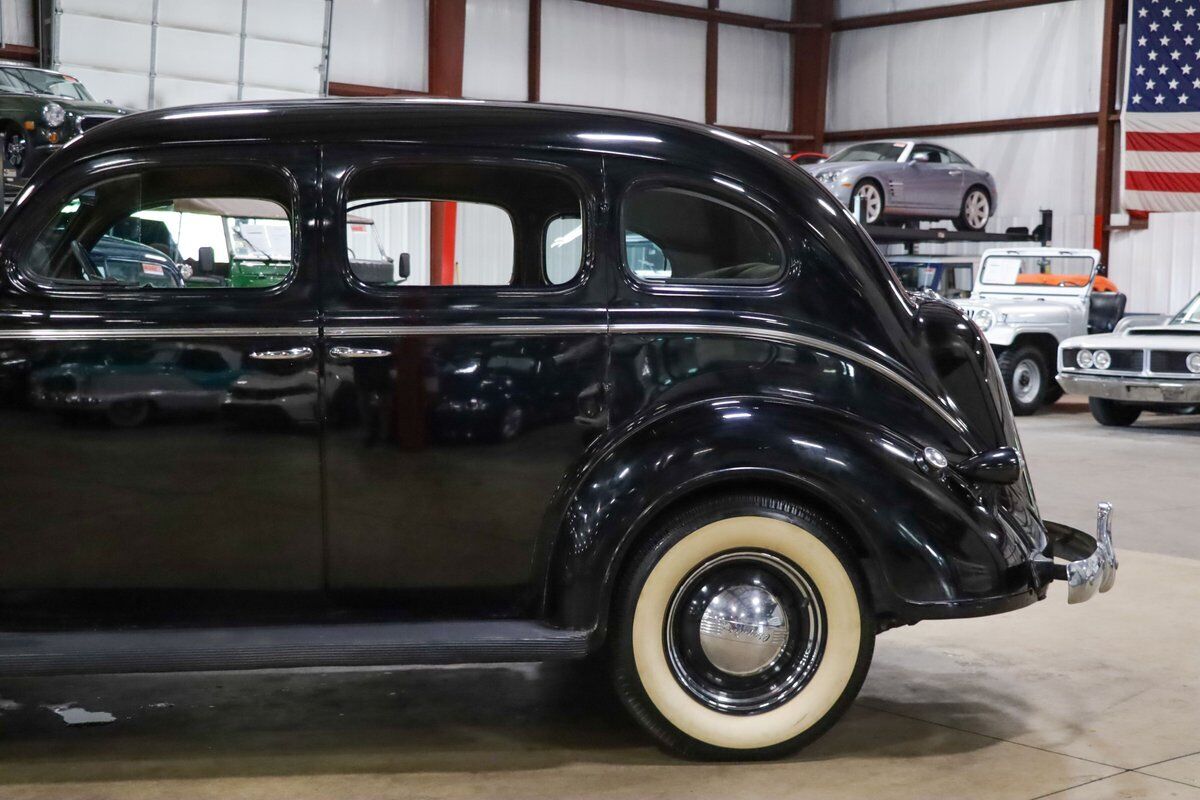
(650, 62)
(1035, 61)
(156, 53)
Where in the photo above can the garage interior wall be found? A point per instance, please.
(16, 22)
(155, 53)
(1022, 62)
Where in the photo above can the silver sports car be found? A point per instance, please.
(909, 180)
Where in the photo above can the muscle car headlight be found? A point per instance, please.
(1101, 359)
(1193, 362)
(53, 114)
(1084, 359)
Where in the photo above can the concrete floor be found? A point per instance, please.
(1094, 701)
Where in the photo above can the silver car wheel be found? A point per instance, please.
(872, 202)
(1026, 381)
(976, 209)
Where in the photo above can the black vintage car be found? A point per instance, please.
(750, 456)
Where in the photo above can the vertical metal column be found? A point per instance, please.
(153, 54)
(241, 84)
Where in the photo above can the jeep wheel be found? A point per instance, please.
(742, 629)
(1026, 378)
(1113, 414)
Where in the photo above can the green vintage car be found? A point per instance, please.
(40, 111)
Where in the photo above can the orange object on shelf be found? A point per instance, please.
(1103, 284)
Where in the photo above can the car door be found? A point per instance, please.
(463, 372)
(133, 491)
(936, 184)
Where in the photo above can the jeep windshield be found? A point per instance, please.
(36, 81)
(1028, 269)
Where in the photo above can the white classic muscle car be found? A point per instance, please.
(1028, 299)
(1137, 368)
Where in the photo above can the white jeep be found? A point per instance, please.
(1026, 301)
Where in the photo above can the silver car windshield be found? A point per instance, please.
(871, 151)
(1190, 315)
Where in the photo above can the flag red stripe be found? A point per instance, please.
(1163, 142)
(1163, 181)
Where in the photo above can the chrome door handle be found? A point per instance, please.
(955, 172)
(291, 354)
(358, 352)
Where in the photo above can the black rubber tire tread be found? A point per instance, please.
(1112, 414)
(960, 222)
(1008, 361)
(628, 685)
(882, 200)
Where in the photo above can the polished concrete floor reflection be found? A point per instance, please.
(1094, 701)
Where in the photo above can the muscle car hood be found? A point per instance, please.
(1157, 337)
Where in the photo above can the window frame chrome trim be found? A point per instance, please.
(111, 334)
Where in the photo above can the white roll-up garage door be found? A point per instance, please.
(155, 53)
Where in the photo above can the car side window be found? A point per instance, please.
(932, 155)
(462, 225)
(677, 235)
(227, 227)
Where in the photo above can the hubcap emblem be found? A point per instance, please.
(743, 630)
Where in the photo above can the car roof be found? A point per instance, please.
(534, 125)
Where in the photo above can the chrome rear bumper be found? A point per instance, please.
(1087, 564)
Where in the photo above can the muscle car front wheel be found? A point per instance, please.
(743, 629)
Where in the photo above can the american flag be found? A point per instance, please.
(1160, 161)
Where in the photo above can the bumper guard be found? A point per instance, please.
(1090, 563)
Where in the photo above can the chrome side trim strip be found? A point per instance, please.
(110, 334)
(466, 329)
(783, 337)
(801, 340)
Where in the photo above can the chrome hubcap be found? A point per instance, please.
(871, 202)
(743, 630)
(977, 209)
(1026, 381)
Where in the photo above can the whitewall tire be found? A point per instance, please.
(743, 629)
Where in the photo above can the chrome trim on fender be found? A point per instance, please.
(784, 337)
(788, 337)
(109, 334)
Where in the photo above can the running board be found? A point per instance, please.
(284, 646)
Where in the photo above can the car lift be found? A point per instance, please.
(911, 237)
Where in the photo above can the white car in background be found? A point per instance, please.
(1139, 367)
(1028, 299)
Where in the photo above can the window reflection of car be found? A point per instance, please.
(131, 385)
(949, 279)
(499, 394)
(645, 258)
(287, 397)
(134, 263)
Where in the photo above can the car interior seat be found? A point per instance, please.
(1104, 310)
